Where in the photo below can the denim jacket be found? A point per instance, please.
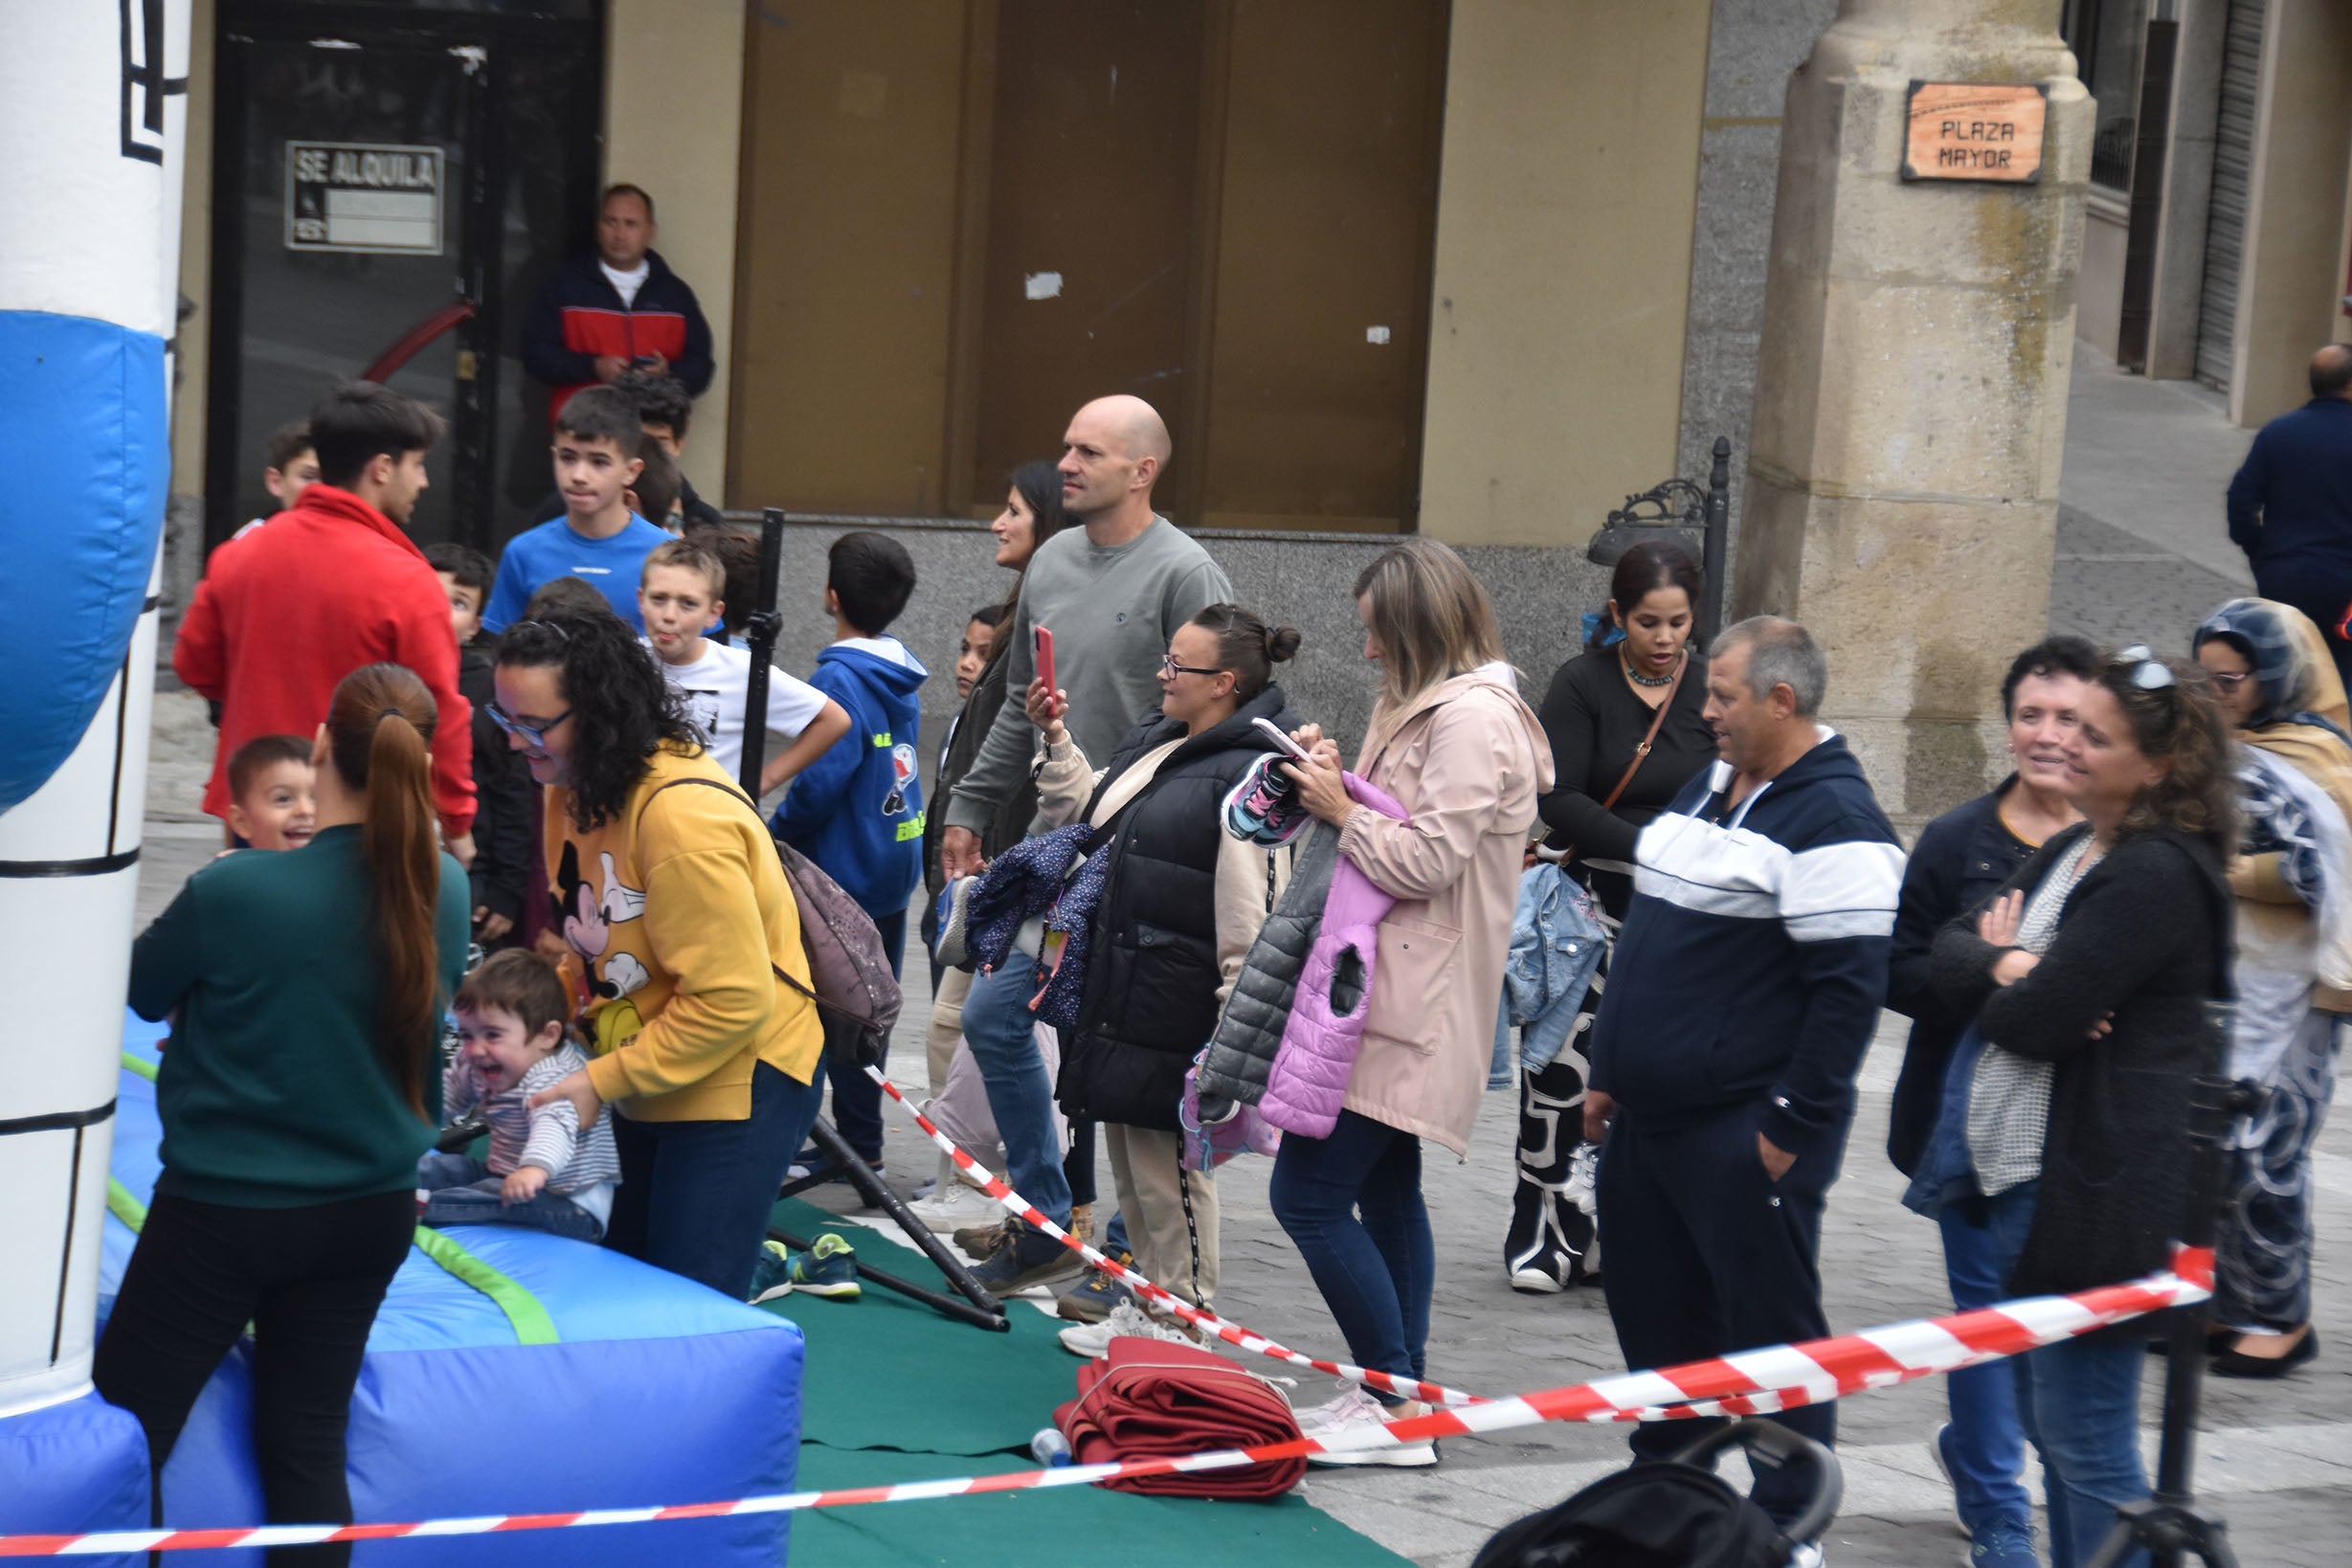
(1557, 941)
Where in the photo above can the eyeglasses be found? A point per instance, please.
(2148, 672)
(2229, 681)
(1168, 664)
(532, 731)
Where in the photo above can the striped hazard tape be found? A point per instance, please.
(1756, 1381)
(1208, 1322)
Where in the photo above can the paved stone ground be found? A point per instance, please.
(2141, 555)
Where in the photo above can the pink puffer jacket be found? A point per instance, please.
(1309, 1077)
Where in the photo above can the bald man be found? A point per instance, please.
(2291, 504)
(1112, 592)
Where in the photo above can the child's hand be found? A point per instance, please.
(523, 1185)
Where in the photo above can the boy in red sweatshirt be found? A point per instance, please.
(330, 585)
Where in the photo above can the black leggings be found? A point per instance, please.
(309, 1281)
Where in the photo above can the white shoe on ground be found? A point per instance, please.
(955, 1207)
(1351, 1412)
(1127, 1321)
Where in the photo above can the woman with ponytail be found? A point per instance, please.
(1180, 904)
(684, 945)
(297, 1092)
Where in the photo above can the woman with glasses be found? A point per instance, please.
(1181, 901)
(2066, 1109)
(683, 941)
(2292, 876)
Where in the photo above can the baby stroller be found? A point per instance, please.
(1679, 1515)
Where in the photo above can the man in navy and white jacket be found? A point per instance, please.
(1743, 991)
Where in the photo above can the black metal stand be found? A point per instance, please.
(760, 628)
(2170, 1524)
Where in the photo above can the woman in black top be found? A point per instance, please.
(1602, 712)
(2091, 978)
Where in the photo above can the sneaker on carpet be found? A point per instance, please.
(1125, 1321)
(956, 1208)
(1092, 1301)
(1353, 1412)
(829, 1268)
(1033, 1259)
(981, 1242)
(2003, 1546)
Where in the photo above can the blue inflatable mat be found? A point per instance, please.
(91, 1462)
(600, 1382)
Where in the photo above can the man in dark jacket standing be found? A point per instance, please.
(2291, 503)
(1744, 990)
(616, 309)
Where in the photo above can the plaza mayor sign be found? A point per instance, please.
(1966, 131)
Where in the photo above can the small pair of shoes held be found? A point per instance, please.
(828, 1268)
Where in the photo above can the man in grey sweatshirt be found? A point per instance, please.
(1112, 592)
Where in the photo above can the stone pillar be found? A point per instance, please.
(1910, 397)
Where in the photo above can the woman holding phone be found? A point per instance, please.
(1181, 901)
(1452, 743)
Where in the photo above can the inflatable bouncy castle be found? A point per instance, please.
(508, 1370)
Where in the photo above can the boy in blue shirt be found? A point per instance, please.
(597, 539)
(857, 811)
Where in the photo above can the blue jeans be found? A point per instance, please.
(1375, 1272)
(464, 1193)
(1986, 1450)
(856, 1099)
(694, 1196)
(2079, 1401)
(1000, 1028)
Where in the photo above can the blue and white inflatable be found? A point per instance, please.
(508, 1371)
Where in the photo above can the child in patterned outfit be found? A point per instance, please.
(545, 1170)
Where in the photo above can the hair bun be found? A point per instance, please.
(1281, 642)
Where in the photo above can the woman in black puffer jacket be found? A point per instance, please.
(2090, 975)
(1180, 905)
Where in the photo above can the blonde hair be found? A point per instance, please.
(1430, 616)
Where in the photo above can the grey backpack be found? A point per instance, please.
(849, 973)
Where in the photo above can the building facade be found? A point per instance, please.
(2218, 240)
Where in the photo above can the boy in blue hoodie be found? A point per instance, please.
(857, 811)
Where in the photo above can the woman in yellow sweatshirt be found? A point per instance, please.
(675, 917)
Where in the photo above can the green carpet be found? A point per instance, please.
(896, 1392)
(1070, 1524)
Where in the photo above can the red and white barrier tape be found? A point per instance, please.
(1753, 1382)
(1232, 1333)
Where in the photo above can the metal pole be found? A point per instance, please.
(1717, 540)
(2170, 1524)
(759, 630)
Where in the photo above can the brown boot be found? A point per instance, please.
(1082, 1221)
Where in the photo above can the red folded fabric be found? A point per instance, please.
(1147, 1398)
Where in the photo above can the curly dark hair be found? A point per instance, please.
(622, 710)
(2180, 720)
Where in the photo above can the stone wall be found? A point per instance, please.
(1299, 579)
(1750, 48)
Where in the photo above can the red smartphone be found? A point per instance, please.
(1044, 645)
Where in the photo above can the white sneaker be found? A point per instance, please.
(1354, 1411)
(1127, 1321)
(955, 1207)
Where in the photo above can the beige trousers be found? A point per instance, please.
(947, 1026)
(1145, 1169)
